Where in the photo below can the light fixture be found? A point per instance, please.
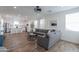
(37, 9)
(14, 7)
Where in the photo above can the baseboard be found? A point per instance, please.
(70, 41)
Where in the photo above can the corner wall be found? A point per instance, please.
(67, 35)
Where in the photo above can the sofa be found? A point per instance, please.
(46, 38)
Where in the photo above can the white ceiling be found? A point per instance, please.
(29, 10)
(54, 9)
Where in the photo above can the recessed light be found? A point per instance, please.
(14, 7)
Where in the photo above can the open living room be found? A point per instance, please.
(39, 28)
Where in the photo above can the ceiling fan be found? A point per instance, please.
(37, 9)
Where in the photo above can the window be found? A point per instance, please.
(16, 23)
(72, 22)
(35, 24)
(42, 23)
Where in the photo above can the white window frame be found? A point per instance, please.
(72, 22)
